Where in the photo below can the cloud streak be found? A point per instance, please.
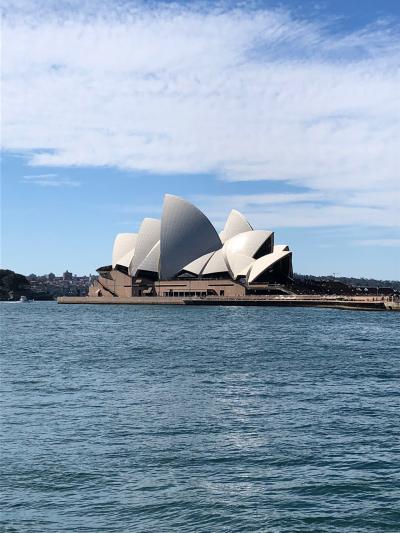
(245, 95)
(387, 243)
(49, 180)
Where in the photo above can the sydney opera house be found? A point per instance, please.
(182, 255)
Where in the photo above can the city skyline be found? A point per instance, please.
(288, 113)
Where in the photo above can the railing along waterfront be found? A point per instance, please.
(290, 297)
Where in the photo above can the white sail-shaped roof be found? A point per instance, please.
(239, 251)
(186, 234)
(236, 223)
(148, 236)
(265, 262)
(281, 248)
(196, 266)
(239, 264)
(216, 264)
(246, 267)
(126, 259)
(124, 243)
(247, 243)
(185, 240)
(152, 259)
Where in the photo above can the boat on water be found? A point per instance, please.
(22, 300)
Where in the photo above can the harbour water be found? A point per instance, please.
(209, 419)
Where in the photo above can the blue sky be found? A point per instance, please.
(288, 111)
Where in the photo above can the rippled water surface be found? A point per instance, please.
(167, 418)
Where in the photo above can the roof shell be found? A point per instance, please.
(216, 264)
(239, 264)
(126, 259)
(247, 243)
(124, 244)
(236, 223)
(196, 266)
(240, 250)
(148, 236)
(186, 234)
(152, 259)
(265, 262)
(281, 248)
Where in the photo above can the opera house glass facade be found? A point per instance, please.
(183, 255)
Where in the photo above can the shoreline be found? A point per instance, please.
(356, 303)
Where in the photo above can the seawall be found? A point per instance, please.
(360, 303)
(114, 300)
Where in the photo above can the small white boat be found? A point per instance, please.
(23, 300)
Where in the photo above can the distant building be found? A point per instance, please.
(183, 255)
(67, 276)
(51, 276)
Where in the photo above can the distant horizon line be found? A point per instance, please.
(295, 274)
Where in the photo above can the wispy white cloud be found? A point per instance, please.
(39, 176)
(389, 243)
(49, 180)
(308, 209)
(248, 95)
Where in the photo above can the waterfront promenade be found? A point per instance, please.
(369, 303)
